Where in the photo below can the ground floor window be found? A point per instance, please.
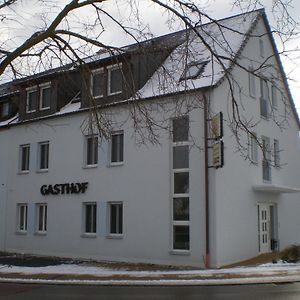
(116, 218)
(90, 217)
(41, 209)
(22, 217)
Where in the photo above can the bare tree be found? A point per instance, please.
(65, 35)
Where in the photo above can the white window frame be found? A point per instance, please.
(264, 97)
(22, 217)
(21, 158)
(177, 223)
(261, 48)
(29, 90)
(91, 232)
(266, 157)
(253, 148)
(109, 70)
(94, 154)
(96, 72)
(44, 216)
(40, 146)
(118, 234)
(119, 161)
(42, 87)
(252, 83)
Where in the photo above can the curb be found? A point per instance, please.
(175, 282)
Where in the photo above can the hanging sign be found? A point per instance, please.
(217, 126)
(217, 154)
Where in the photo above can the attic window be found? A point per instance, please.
(4, 110)
(193, 70)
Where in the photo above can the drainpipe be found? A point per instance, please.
(206, 189)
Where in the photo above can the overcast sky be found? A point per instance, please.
(29, 18)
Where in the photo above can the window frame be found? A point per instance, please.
(93, 73)
(109, 81)
(42, 87)
(274, 97)
(276, 153)
(252, 83)
(120, 148)
(95, 155)
(22, 221)
(32, 89)
(5, 109)
(21, 159)
(264, 98)
(254, 148)
(119, 226)
(41, 208)
(266, 159)
(92, 231)
(40, 147)
(261, 48)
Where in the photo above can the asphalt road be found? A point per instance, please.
(57, 292)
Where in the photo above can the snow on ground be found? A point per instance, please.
(265, 270)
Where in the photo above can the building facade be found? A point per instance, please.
(160, 182)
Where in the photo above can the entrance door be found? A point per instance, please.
(265, 227)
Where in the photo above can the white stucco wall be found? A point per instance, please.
(143, 183)
(233, 202)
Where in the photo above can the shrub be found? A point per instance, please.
(291, 254)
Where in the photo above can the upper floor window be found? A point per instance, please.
(43, 156)
(115, 79)
(264, 98)
(261, 48)
(117, 147)
(266, 166)
(32, 100)
(45, 96)
(252, 84)
(274, 97)
(4, 109)
(97, 85)
(181, 129)
(193, 70)
(276, 153)
(253, 148)
(24, 157)
(91, 143)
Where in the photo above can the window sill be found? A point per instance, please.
(98, 97)
(40, 233)
(115, 236)
(116, 164)
(21, 232)
(30, 111)
(180, 252)
(114, 93)
(44, 108)
(42, 171)
(23, 172)
(88, 235)
(90, 166)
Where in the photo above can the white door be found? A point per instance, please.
(264, 230)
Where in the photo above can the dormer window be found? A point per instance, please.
(115, 79)
(97, 83)
(45, 96)
(4, 110)
(193, 70)
(32, 99)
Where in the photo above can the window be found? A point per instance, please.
(45, 96)
(253, 148)
(115, 79)
(117, 147)
(90, 217)
(32, 100)
(43, 156)
(41, 224)
(274, 97)
(193, 70)
(266, 166)
(91, 150)
(97, 83)
(22, 217)
(115, 218)
(252, 85)
(276, 153)
(24, 158)
(180, 173)
(264, 98)
(4, 109)
(261, 48)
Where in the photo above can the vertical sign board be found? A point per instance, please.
(217, 126)
(217, 154)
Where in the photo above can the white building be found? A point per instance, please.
(66, 190)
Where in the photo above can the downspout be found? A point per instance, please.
(206, 188)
